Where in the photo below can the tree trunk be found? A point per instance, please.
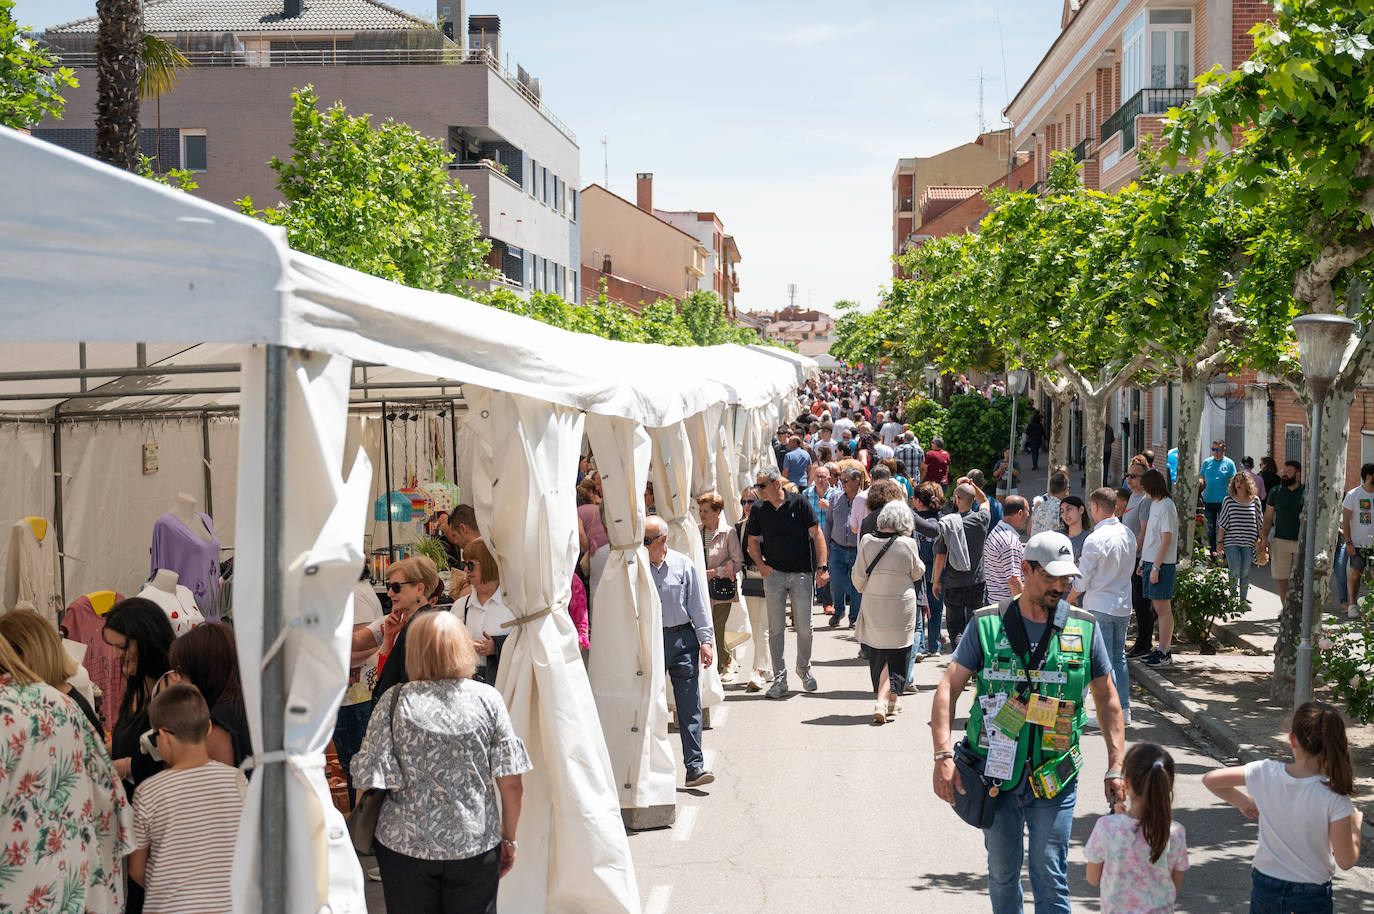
(118, 48)
(946, 388)
(1192, 392)
(1094, 433)
(1290, 631)
(1059, 428)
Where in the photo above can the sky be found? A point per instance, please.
(786, 119)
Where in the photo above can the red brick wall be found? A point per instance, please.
(1287, 411)
(1244, 14)
(630, 294)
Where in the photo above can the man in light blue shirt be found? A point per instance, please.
(688, 637)
(796, 462)
(1212, 482)
(818, 496)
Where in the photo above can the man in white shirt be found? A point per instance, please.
(889, 431)
(842, 424)
(1357, 529)
(1104, 584)
(1003, 552)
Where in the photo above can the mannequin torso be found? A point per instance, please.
(184, 510)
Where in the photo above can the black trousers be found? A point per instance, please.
(960, 605)
(1145, 615)
(416, 886)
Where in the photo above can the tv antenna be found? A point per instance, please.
(605, 162)
(792, 295)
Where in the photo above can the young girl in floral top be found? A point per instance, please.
(1138, 856)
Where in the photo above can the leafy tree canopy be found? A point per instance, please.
(31, 83)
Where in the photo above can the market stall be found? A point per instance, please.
(92, 257)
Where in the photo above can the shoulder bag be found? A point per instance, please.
(362, 819)
(879, 557)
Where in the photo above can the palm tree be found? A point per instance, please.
(159, 64)
(118, 48)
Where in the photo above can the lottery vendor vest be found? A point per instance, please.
(1064, 675)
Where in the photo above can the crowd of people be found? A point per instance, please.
(1030, 600)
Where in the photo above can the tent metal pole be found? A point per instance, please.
(81, 355)
(205, 463)
(453, 443)
(144, 371)
(386, 470)
(57, 507)
(273, 850)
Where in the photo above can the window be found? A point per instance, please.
(1366, 447)
(534, 179)
(574, 194)
(1133, 57)
(194, 155)
(548, 187)
(1292, 441)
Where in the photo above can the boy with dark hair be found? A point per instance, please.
(185, 813)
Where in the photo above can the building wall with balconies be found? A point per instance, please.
(641, 247)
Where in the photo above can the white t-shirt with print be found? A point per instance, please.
(1360, 504)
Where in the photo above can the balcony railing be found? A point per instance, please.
(1080, 152)
(1035, 188)
(1146, 101)
(348, 57)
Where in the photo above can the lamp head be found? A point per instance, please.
(1322, 340)
(1016, 380)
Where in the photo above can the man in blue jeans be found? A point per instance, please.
(843, 545)
(688, 637)
(1212, 482)
(785, 543)
(1035, 658)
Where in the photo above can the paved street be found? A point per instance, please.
(816, 809)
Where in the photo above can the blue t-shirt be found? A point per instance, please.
(794, 465)
(969, 653)
(1216, 476)
(813, 498)
(1172, 461)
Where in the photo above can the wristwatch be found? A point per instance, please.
(1112, 775)
(944, 755)
(511, 843)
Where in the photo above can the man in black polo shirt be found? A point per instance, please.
(785, 541)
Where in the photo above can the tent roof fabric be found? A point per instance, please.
(166, 16)
(157, 265)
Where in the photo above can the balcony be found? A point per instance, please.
(1080, 152)
(904, 204)
(1146, 101)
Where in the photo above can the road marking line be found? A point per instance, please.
(686, 821)
(658, 900)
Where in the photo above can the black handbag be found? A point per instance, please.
(721, 590)
(362, 818)
(974, 805)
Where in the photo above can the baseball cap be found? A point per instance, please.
(1052, 551)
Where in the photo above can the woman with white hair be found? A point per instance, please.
(887, 565)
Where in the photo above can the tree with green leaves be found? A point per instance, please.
(1300, 104)
(379, 199)
(31, 82)
(158, 76)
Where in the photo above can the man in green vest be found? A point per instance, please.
(1035, 658)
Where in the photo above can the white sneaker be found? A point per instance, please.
(756, 683)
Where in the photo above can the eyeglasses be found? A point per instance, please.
(746, 501)
(395, 586)
(650, 540)
(467, 566)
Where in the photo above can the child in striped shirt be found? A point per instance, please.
(187, 815)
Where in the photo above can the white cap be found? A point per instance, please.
(1052, 551)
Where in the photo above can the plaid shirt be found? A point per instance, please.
(911, 455)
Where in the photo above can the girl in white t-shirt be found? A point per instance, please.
(1138, 854)
(1307, 824)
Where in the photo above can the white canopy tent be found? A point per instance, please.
(92, 254)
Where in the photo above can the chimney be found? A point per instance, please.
(644, 191)
(451, 18)
(485, 32)
(291, 9)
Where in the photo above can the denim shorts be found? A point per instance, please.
(1278, 896)
(1164, 590)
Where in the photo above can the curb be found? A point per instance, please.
(1216, 730)
(1225, 635)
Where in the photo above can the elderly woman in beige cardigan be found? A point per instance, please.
(885, 570)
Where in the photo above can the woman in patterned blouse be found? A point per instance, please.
(442, 745)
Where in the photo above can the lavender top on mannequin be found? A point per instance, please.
(196, 562)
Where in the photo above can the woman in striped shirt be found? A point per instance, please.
(1238, 530)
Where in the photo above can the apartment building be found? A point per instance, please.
(1115, 70)
(722, 252)
(230, 111)
(922, 182)
(806, 328)
(641, 257)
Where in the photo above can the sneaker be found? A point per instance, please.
(879, 713)
(835, 620)
(807, 680)
(755, 683)
(779, 687)
(374, 874)
(910, 688)
(1140, 650)
(1159, 660)
(699, 777)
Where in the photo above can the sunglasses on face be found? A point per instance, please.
(1134, 475)
(746, 501)
(395, 586)
(650, 540)
(1215, 449)
(467, 566)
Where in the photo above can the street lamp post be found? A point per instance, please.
(1322, 340)
(1016, 380)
